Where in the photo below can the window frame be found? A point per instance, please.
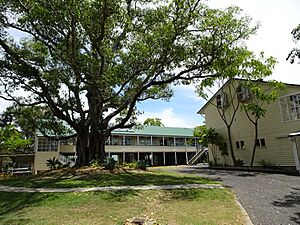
(286, 100)
(261, 143)
(240, 144)
(221, 100)
(243, 93)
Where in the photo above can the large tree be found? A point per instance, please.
(295, 52)
(91, 61)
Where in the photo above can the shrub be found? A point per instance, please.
(265, 164)
(132, 165)
(211, 163)
(54, 164)
(240, 162)
(109, 163)
(124, 164)
(94, 163)
(142, 165)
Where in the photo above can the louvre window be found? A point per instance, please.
(221, 100)
(240, 144)
(261, 142)
(243, 93)
(290, 107)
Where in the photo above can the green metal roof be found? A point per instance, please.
(157, 131)
(146, 130)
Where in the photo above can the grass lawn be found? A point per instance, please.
(92, 177)
(173, 207)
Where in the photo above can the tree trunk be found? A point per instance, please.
(82, 149)
(90, 145)
(230, 145)
(97, 146)
(254, 144)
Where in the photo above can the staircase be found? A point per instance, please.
(65, 160)
(197, 155)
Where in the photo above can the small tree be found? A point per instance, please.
(228, 105)
(255, 109)
(153, 122)
(227, 99)
(11, 140)
(210, 138)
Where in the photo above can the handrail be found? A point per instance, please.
(197, 155)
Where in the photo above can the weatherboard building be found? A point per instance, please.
(159, 146)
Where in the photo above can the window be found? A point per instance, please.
(261, 142)
(290, 107)
(70, 141)
(179, 141)
(243, 94)
(145, 140)
(240, 144)
(47, 145)
(221, 100)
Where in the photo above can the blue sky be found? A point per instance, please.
(277, 19)
(180, 111)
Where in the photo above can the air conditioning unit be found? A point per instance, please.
(221, 100)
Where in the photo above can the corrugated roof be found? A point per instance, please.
(157, 131)
(148, 131)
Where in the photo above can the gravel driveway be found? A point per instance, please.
(269, 199)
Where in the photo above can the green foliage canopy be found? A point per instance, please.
(261, 95)
(295, 52)
(12, 141)
(90, 62)
(153, 122)
(210, 136)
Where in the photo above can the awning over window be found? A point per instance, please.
(294, 134)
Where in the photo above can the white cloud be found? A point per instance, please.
(277, 19)
(168, 117)
(189, 91)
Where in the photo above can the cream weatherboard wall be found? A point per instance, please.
(278, 148)
(138, 142)
(40, 160)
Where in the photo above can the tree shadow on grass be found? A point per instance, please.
(289, 201)
(193, 194)
(12, 204)
(105, 179)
